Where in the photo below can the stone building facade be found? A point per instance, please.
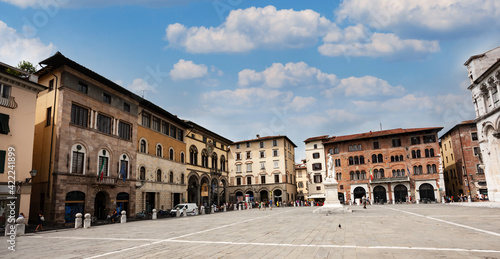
(302, 180)
(207, 166)
(463, 174)
(85, 144)
(161, 159)
(263, 169)
(316, 168)
(484, 73)
(17, 124)
(389, 165)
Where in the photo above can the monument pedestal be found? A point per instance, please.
(332, 203)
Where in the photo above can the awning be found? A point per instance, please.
(317, 196)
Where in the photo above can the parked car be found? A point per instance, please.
(191, 209)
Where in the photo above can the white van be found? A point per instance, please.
(191, 209)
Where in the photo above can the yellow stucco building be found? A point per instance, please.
(17, 124)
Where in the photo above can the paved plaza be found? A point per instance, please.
(381, 231)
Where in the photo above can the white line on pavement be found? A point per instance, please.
(448, 222)
(173, 238)
(157, 241)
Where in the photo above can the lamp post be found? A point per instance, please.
(33, 174)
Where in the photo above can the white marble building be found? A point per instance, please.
(484, 73)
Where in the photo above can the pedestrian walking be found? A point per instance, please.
(40, 221)
(364, 202)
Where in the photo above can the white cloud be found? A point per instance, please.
(247, 29)
(139, 86)
(14, 47)
(377, 45)
(300, 103)
(290, 74)
(431, 15)
(364, 86)
(188, 70)
(246, 96)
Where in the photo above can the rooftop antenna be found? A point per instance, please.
(380, 126)
(143, 91)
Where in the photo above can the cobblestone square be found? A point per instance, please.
(381, 231)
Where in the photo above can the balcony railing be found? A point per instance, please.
(105, 181)
(8, 102)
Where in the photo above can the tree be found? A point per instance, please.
(22, 65)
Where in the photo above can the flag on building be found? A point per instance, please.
(371, 175)
(101, 172)
(123, 172)
(408, 170)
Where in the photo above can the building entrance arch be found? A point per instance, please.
(400, 193)
(193, 190)
(277, 196)
(359, 192)
(426, 192)
(264, 196)
(214, 188)
(204, 191)
(75, 203)
(379, 194)
(250, 196)
(100, 205)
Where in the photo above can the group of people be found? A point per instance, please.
(464, 198)
(39, 221)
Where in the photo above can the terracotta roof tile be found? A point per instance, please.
(316, 138)
(374, 134)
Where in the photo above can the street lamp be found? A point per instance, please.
(33, 174)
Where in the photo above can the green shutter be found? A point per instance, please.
(4, 124)
(2, 161)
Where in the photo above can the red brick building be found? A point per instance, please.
(388, 165)
(462, 161)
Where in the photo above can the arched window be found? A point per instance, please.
(330, 151)
(204, 158)
(339, 176)
(171, 177)
(374, 158)
(381, 171)
(358, 175)
(142, 173)
(356, 160)
(103, 163)
(419, 155)
(158, 175)
(336, 150)
(182, 157)
(223, 163)
(394, 173)
(415, 169)
(392, 159)
(361, 160)
(375, 174)
(434, 171)
(429, 169)
(78, 159)
(413, 154)
(351, 160)
(193, 155)
(171, 154)
(143, 146)
(420, 169)
(431, 152)
(352, 175)
(400, 157)
(363, 175)
(214, 161)
(402, 172)
(182, 178)
(159, 150)
(380, 158)
(124, 164)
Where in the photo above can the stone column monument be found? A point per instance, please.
(332, 203)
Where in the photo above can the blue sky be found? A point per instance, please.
(295, 68)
